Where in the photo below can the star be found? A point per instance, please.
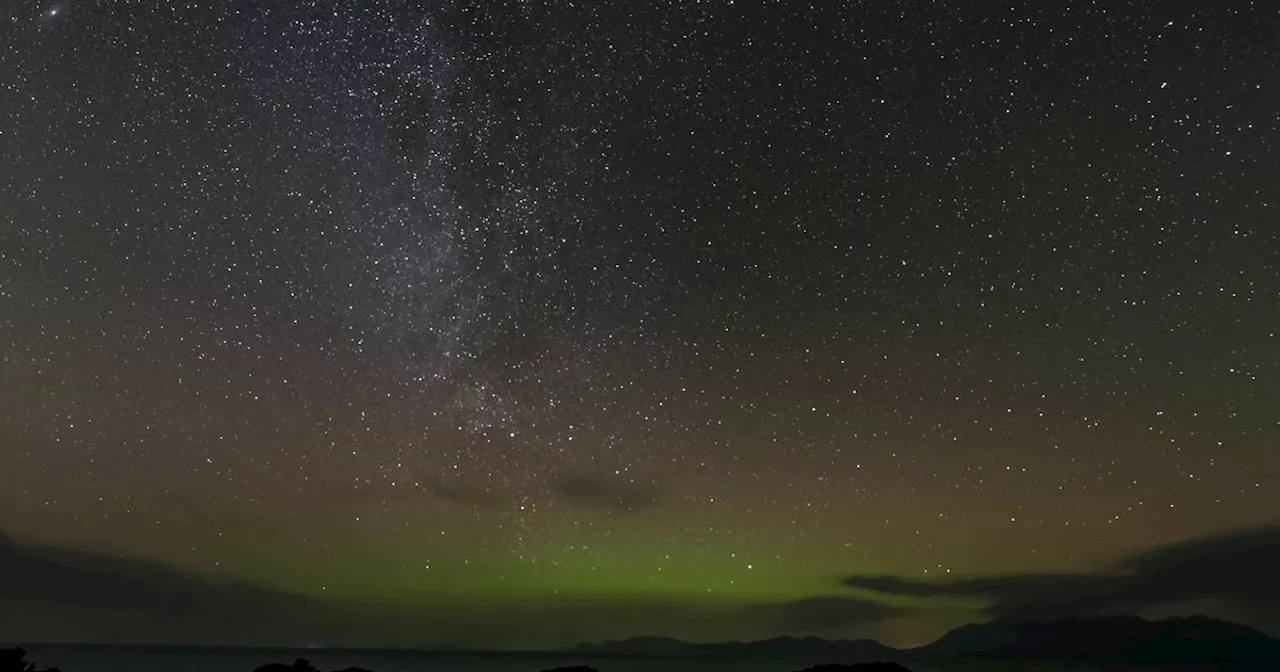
(580, 302)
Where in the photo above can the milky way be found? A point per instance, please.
(635, 312)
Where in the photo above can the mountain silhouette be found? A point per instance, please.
(1127, 639)
(1119, 638)
(636, 646)
(839, 649)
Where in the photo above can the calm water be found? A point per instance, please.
(144, 659)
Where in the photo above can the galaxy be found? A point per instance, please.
(518, 324)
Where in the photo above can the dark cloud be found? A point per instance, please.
(824, 612)
(610, 494)
(458, 492)
(1030, 588)
(414, 489)
(598, 492)
(1237, 568)
(61, 576)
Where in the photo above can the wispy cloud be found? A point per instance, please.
(609, 494)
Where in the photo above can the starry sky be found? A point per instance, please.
(524, 323)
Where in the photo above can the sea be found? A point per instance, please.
(89, 658)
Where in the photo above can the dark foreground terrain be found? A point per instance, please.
(195, 659)
(1116, 644)
(14, 661)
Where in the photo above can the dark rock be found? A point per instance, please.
(12, 660)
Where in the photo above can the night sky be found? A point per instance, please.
(524, 323)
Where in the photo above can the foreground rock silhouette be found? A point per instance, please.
(12, 660)
(301, 665)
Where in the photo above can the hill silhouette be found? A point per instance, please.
(635, 646)
(838, 649)
(1119, 638)
(1116, 639)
